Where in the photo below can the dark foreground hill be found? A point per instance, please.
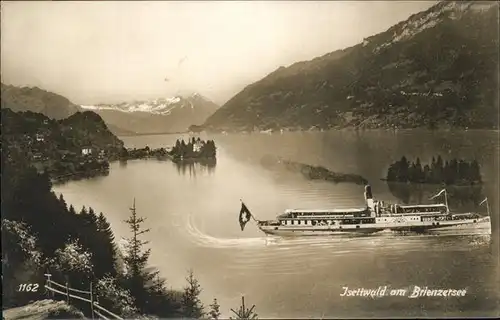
(29, 131)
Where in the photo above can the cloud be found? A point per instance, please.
(92, 52)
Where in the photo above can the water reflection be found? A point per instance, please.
(460, 198)
(192, 167)
(194, 223)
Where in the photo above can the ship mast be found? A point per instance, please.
(487, 207)
(446, 201)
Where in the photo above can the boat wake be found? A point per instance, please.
(340, 244)
(205, 240)
(277, 256)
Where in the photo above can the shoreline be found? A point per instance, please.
(82, 175)
(344, 129)
(432, 183)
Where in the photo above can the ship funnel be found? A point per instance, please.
(368, 192)
(369, 197)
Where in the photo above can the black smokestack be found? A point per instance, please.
(368, 192)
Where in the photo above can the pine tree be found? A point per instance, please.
(475, 171)
(447, 173)
(93, 214)
(136, 259)
(427, 174)
(243, 312)
(463, 171)
(433, 171)
(107, 251)
(214, 313)
(419, 172)
(439, 162)
(403, 170)
(63, 202)
(391, 173)
(439, 176)
(104, 226)
(191, 303)
(160, 300)
(412, 173)
(83, 212)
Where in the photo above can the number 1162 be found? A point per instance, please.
(28, 287)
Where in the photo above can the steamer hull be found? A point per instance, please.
(375, 217)
(296, 232)
(483, 224)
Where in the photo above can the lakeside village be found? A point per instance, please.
(193, 150)
(82, 257)
(83, 253)
(62, 165)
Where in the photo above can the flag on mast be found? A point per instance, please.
(245, 215)
(438, 194)
(485, 199)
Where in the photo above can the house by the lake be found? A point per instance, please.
(39, 137)
(197, 146)
(86, 151)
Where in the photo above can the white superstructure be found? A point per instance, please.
(376, 216)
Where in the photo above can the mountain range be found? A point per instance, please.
(437, 69)
(36, 100)
(161, 115)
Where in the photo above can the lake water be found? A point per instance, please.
(193, 215)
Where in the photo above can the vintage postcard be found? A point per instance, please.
(250, 159)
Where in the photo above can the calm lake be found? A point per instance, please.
(193, 215)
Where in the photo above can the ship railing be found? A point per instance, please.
(420, 213)
(463, 216)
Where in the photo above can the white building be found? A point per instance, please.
(86, 151)
(197, 146)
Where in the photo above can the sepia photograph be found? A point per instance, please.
(250, 159)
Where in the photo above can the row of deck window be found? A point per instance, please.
(307, 222)
(398, 219)
(325, 222)
(346, 221)
(328, 213)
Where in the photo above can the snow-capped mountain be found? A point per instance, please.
(157, 115)
(163, 106)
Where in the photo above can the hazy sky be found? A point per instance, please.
(110, 51)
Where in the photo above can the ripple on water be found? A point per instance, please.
(275, 248)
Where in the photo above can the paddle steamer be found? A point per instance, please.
(375, 217)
